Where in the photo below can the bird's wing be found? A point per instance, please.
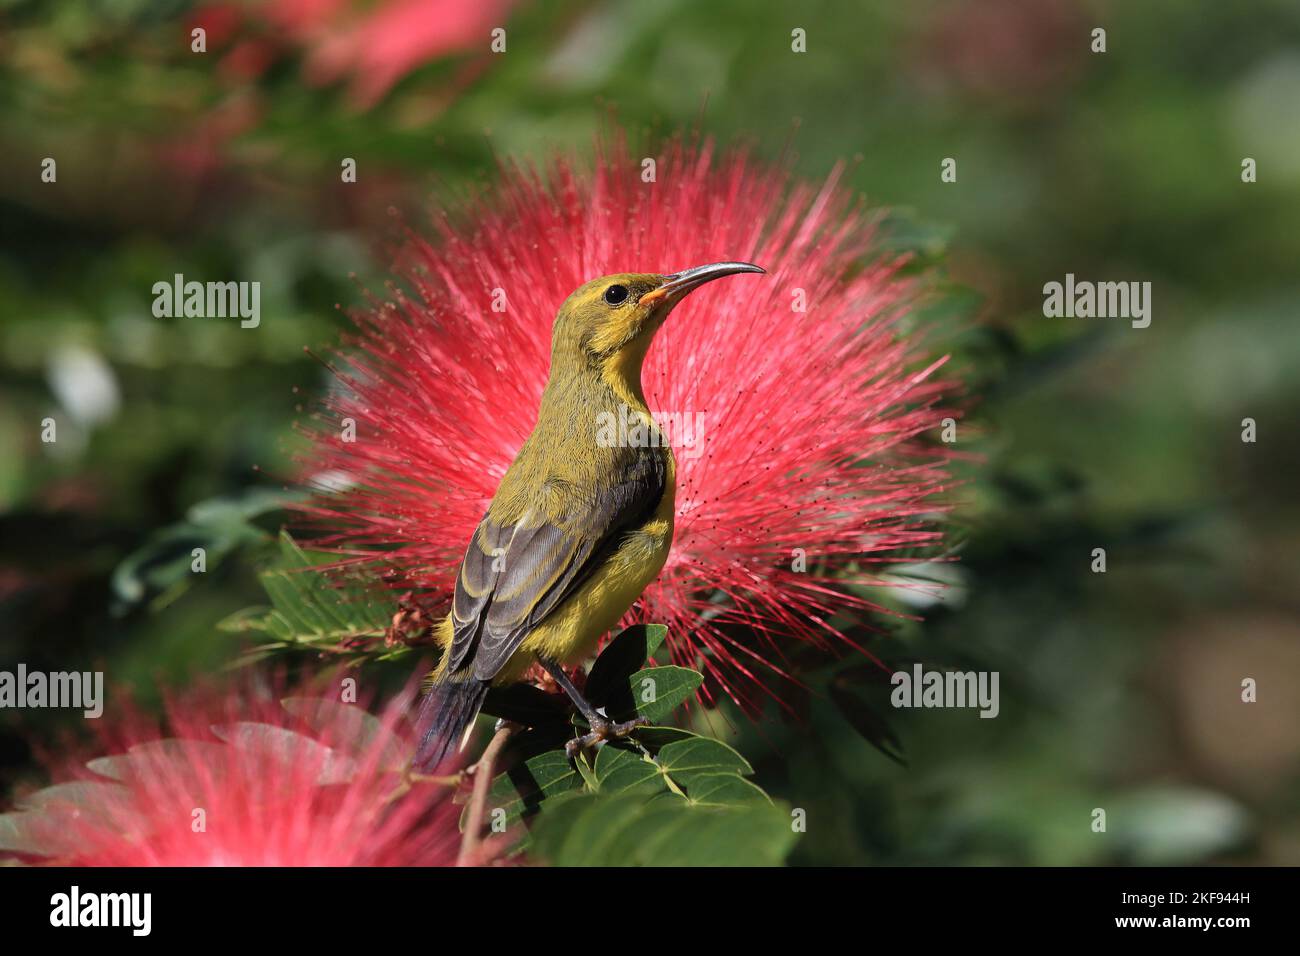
(514, 575)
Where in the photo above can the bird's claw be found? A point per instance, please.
(603, 730)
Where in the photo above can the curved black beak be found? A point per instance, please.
(679, 284)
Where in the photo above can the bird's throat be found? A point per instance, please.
(622, 373)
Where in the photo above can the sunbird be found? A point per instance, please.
(578, 526)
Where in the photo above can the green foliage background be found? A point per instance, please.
(1119, 690)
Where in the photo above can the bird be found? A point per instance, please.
(581, 522)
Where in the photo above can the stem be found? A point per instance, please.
(409, 778)
(472, 841)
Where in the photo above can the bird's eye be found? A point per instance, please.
(615, 294)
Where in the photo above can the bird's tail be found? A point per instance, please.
(447, 709)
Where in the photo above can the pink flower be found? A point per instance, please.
(372, 44)
(380, 47)
(796, 404)
(244, 780)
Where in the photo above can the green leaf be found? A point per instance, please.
(620, 769)
(723, 790)
(638, 842)
(653, 692)
(314, 607)
(737, 836)
(622, 657)
(166, 559)
(627, 829)
(521, 789)
(689, 759)
(553, 827)
(586, 828)
(219, 526)
(240, 508)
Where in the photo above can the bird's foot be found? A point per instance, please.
(603, 730)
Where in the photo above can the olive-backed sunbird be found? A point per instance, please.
(579, 525)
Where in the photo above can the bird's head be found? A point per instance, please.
(609, 322)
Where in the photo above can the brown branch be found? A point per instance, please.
(472, 840)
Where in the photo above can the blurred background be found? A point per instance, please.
(1120, 690)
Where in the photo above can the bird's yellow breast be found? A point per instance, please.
(570, 633)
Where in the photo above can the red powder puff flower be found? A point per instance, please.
(795, 405)
(244, 780)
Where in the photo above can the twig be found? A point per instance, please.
(484, 771)
(409, 777)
